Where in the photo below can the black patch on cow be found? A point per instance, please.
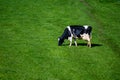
(77, 30)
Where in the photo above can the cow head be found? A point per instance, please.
(60, 41)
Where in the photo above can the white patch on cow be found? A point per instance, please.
(85, 26)
(69, 28)
(70, 31)
(70, 38)
(85, 37)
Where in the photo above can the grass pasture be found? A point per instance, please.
(28, 40)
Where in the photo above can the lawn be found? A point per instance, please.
(29, 30)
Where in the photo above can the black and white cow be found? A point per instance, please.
(74, 32)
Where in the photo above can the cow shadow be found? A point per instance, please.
(84, 44)
(93, 44)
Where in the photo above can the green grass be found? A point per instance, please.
(28, 40)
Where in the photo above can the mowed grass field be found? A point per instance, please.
(29, 30)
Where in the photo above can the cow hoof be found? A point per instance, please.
(89, 46)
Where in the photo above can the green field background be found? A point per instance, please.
(29, 30)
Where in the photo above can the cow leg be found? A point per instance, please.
(89, 41)
(89, 44)
(70, 38)
(87, 37)
(75, 41)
